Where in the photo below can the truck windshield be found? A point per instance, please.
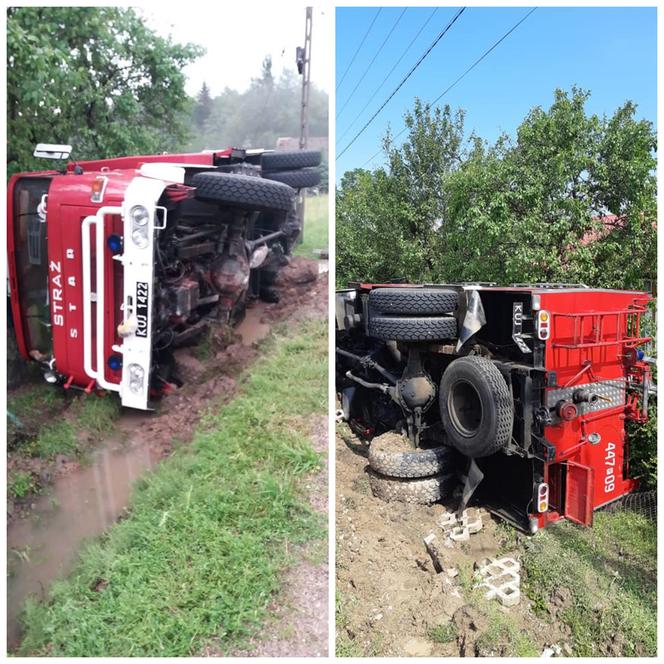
(32, 263)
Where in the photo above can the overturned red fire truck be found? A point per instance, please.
(115, 263)
(520, 392)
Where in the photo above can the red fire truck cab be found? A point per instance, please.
(115, 263)
(531, 385)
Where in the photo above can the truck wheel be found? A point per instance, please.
(475, 406)
(418, 491)
(412, 328)
(307, 177)
(290, 160)
(413, 301)
(392, 454)
(243, 191)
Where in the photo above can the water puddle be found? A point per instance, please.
(44, 545)
(251, 329)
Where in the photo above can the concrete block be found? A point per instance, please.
(459, 534)
(447, 521)
(473, 525)
(501, 578)
(435, 553)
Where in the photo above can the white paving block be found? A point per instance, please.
(460, 534)
(473, 525)
(501, 578)
(447, 521)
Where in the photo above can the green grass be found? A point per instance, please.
(315, 235)
(200, 554)
(21, 484)
(29, 407)
(344, 646)
(53, 439)
(63, 435)
(610, 573)
(503, 637)
(443, 633)
(97, 414)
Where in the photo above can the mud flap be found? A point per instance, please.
(579, 494)
(473, 479)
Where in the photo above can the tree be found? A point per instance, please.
(203, 107)
(571, 198)
(267, 110)
(95, 77)
(388, 220)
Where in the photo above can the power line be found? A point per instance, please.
(396, 64)
(366, 71)
(442, 94)
(366, 34)
(405, 78)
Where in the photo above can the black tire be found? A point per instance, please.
(413, 328)
(392, 454)
(414, 301)
(243, 191)
(287, 161)
(307, 177)
(476, 406)
(417, 491)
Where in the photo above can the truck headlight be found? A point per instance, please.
(136, 376)
(140, 237)
(139, 215)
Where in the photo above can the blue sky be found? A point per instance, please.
(611, 51)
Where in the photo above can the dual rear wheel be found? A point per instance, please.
(399, 472)
(474, 398)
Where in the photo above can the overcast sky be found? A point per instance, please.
(237, 36)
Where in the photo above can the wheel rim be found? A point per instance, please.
(465, 408)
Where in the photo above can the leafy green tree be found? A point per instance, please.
(572, 198)
(388, 220)
(95, 77)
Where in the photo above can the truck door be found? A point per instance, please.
(28, 264)
(579, 494)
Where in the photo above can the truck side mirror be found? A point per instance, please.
(52, 151)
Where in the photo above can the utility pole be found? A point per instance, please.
(304, 68)
(303, 59)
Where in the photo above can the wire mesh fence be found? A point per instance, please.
(643, 502)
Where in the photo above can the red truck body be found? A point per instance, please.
(555, 345)
(594, 334)
(89, 287)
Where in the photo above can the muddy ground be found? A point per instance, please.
(391, 601)
(303, 295)
(84, 494)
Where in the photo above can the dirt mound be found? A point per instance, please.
(391, 600)
(298, 272)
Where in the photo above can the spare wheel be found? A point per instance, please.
(416, 490)
(393, 455)
(413, 301)
(475, 406)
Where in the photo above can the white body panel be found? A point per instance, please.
(138, 266)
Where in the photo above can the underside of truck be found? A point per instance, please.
(516, 396)
(146, 253)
